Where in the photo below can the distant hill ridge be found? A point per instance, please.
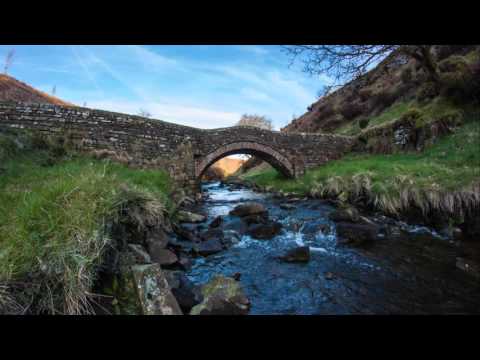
(12, 89)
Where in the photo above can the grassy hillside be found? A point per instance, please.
(13, 90)
(228, 165)
(388, 90)
(445, 177)
(55, 208)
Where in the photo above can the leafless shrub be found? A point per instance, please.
(258, 121)
(144, 113)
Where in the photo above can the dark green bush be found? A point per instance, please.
(363, 123)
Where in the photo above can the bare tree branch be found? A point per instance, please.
(144, 113)
(344, 63)
(8, 60)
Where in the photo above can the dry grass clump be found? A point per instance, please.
(119, 157)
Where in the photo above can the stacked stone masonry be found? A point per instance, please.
(186, 152)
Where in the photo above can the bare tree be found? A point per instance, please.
(54, 89)
(8, 60)
(144, 113)
(258, 121)
(346, 62)
(84, 104)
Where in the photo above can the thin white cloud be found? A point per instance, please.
(255, 49)
(255, 95)
(85, 67)
(185, 115)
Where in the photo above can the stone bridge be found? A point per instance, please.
(185, 152)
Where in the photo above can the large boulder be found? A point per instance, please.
(216, 222)
(160, 255)
(211, 234)
(256, 219)
(208, 247)
(185, 233)
(346, 214)
(236, 224)
(186, 293)
(265, 231)
(222, 296)
(298, 254)
(153, 291)
(249, 208)
(159, 237)
(139, 253)
(356, 234)
(184, 216)
(182, 245)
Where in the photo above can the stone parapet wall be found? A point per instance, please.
(179, 149)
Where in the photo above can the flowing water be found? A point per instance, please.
(411, 269)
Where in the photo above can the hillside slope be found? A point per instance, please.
(229, 165)
(383, 94)
(13, 90)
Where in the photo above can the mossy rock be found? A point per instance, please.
(222, 296)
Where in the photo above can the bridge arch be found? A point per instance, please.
(264, 152)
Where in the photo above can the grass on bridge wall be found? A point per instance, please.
(53, 211)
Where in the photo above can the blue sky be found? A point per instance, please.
(206, 86)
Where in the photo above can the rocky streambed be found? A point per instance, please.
(305, 256)
(244, 252)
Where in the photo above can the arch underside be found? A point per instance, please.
(266, 153)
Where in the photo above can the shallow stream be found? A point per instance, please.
(410, 269)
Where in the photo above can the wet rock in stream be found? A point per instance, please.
(222, 296)
(216, 222)
(154, 292)
(186, 293)
(265, 231)
(355, 234)
(208, 247)
(299, 254)
(184, 216)
(250, 208)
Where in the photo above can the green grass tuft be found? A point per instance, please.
(53, 219)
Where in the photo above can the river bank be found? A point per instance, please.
(440, 185)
